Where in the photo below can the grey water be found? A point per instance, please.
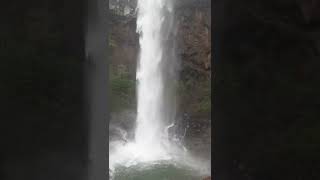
(156, 171)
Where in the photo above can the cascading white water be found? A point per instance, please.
(151, 142)
(150, 96)
(150, 139)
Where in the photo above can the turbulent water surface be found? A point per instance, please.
(159, 171)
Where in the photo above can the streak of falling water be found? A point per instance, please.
(151, 142)
(149, 76)
(154, 27)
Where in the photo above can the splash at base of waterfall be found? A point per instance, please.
(128, 159)
(131, 153)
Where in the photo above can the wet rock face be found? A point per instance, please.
(194, 38)
(124, 43)
(193, 3)
(198, 137)
(194, 50)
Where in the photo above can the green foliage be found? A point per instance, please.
(122, 86)
(122, 89)
(205, 105)
(112, 41)
(196, 93)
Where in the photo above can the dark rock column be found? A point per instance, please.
(266, 92)
(43, 126)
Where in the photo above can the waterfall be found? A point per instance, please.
(156, 75)
(151, 115)
(154, 112)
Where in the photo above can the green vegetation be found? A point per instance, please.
(122, 88)
(196, 93)
(205, 105)
(112, 41)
